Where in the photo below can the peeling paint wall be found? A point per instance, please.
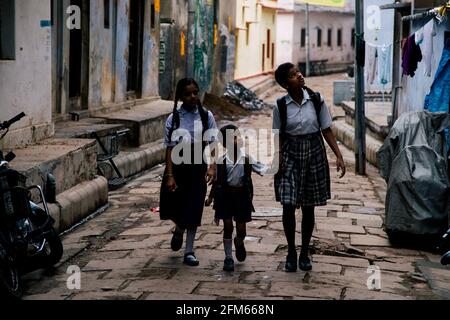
(203, 43)
(150, 83)
(213, 63)
(224, 53)
(108, 76)
(25, 83)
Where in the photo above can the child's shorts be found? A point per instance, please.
(233, 203)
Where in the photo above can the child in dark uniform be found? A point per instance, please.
(184, 187)
(232, 193)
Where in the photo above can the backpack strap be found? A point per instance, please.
(317, 101)
(282, 109)
(175, 124)
(176, 121)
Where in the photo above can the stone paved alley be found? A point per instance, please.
(124, 252)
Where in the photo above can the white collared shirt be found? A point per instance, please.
(302, 119)
(236, 172)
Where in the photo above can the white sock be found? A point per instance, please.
(228, 247)
(190, 237)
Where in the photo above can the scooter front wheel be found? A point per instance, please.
(10, 284)
(54, 249)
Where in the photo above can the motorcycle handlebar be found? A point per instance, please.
(8, 123)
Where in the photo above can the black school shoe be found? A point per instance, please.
(177, 241)
(228, 264)
(291, 263)
(241, 253)
(190, 259)
(304, 263)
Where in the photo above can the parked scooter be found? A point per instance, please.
(28, 240)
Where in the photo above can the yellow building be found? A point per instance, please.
(255, 41)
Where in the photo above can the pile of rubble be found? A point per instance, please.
(239, 95)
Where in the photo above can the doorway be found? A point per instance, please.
(135, 48)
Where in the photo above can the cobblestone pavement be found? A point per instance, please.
(124, 253)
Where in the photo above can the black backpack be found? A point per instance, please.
(282, 108)
(176, 121)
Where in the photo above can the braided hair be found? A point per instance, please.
(181, 86)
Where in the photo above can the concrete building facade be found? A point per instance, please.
(111, 59)
(331, 33)
(256, 37)
(25, 70)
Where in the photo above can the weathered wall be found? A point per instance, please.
(150, 67)
(224, 53)
(413, 90)
(26, 81)
(106, 87)
(174, 28)
(285, 36)
(100, 57)
(203, 43)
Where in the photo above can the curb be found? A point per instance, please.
(77, 203)
(346, 134)
(132, 163)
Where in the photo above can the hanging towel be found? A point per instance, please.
(384, 64)
(372, 63)
(429, 32)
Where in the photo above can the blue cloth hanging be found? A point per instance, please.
(438, 100)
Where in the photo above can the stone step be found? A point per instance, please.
(71, 161)
(376, 114)
(345, 133)
(146, 122)
(132, 161)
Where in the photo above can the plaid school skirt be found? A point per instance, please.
(306, 179)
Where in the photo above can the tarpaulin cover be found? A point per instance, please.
(413, 162)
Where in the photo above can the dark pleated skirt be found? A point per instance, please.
(185, 206)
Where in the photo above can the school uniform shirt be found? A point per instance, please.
(190, 130)
(302, 118)
(236, 172)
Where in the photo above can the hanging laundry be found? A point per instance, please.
(429, 32)
(419, 36)
(411, 55)
(438, 100)
(372, 63)
(384, 75)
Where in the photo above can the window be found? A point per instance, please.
(319, 37)
(247, 34)
(339, 38)
(330, 37)
(353, 38)
(7, 30)
(106, 7)
(303, 38)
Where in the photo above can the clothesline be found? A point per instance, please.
(389, 44)
(438, 13)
